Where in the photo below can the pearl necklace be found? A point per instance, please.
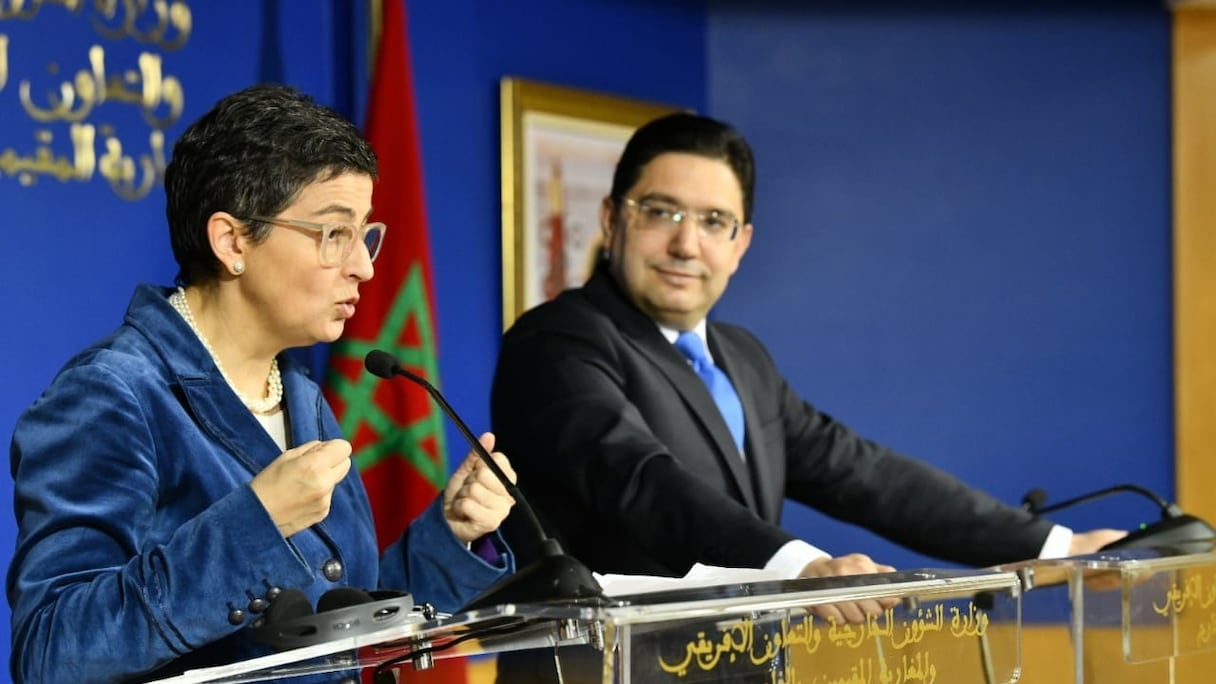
(274, 383)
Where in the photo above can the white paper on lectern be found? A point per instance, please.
(698, 576)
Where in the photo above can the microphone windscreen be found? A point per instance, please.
(1034, 499)
(290, 604)
(380, 363)
(342, 597)
(384, 594)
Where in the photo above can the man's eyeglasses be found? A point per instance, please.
(658, 215)
(337, 239)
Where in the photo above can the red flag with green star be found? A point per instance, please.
(394, 427)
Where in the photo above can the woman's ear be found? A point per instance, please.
(228, 241)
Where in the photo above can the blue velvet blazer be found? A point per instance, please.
(140, 542)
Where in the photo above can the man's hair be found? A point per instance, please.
(251, 155)
(691, 134)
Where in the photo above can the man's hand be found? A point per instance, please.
(297, 487)
(474, 501)
(1093, 541)
(853, 612)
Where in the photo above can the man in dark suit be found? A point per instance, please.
(644, 454)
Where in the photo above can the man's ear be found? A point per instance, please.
(228, 241)
(607, 225)
(740, 244)
(744, 238)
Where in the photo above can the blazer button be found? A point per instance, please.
(272, 592)
(258, 604)
(332, 569)
(236, 616)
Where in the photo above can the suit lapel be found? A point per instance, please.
(221, 415)
(199, 384)
(728, 357)
(302, 400)
(644, 335)
(215, 407)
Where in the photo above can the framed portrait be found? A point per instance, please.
(559, 148)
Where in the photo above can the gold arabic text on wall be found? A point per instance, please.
(73, 135)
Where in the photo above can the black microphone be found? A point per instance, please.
(341, 597)
(1034, 499)
(555, 576)
(1175, 529)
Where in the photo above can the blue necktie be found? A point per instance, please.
(720, 387)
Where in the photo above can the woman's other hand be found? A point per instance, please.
(474, 501)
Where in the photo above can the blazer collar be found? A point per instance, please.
(205, 393)
(640, 331)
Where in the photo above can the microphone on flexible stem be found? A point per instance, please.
(1034, 499)
(555, 576)
(1175, 529)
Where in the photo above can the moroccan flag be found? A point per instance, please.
(395, 428)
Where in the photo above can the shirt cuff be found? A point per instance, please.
(1058, 543)
(791, 558)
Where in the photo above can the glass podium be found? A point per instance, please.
(1130, 616)
(929, 626)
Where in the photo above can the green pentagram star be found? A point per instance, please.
(397, 440)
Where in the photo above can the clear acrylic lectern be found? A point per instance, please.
(932, 626)
(1130, 617)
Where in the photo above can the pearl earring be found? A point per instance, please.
(238, 267)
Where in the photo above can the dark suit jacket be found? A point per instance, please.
(622, 451)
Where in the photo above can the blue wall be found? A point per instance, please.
(963, 236)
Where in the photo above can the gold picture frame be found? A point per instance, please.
(559, 148)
